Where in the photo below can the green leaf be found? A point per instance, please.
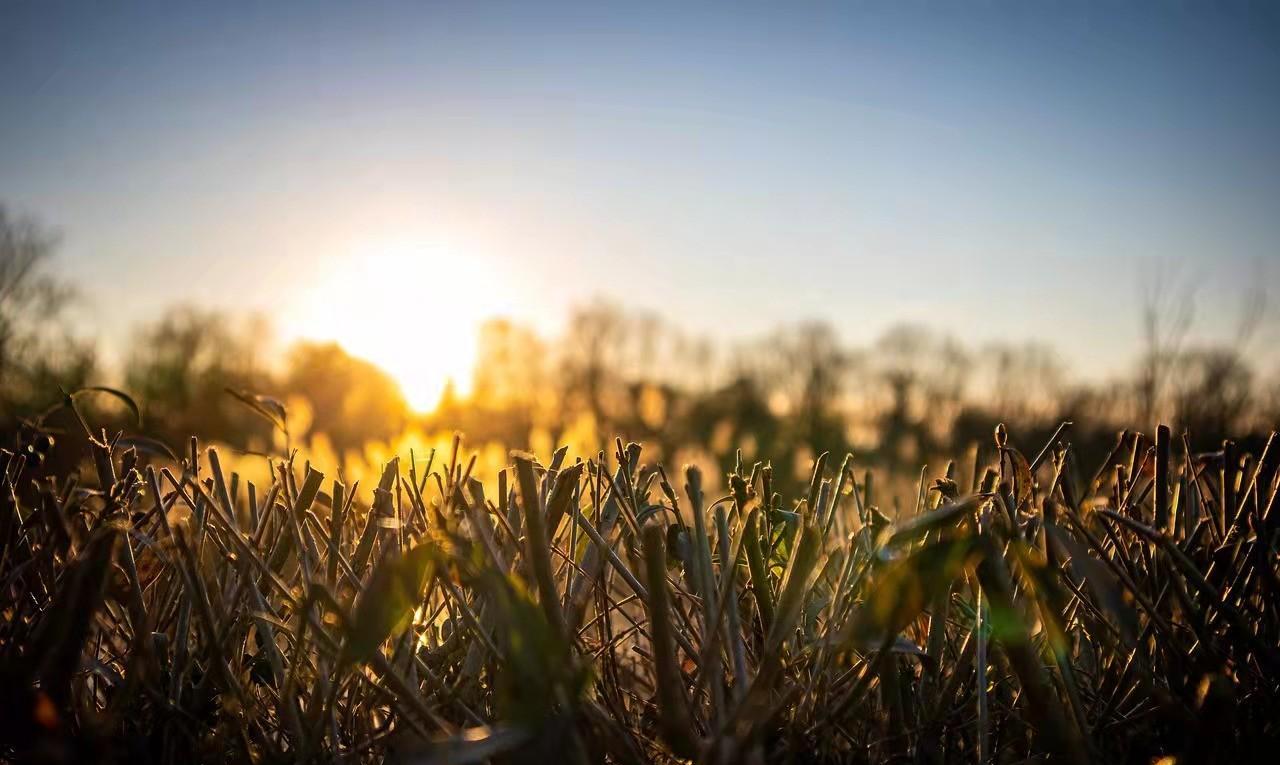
(115, 392)
(947, 516)
(147, 445)
(267, 408)
(386, 604)
(903, 588)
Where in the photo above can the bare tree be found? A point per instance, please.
(37, 352)
(1253, 308)
(510, 370)
(1168, 310)
(925, 375)
(804, 368)
(1212, 392)
(180, 366)
(1026, 380)
(592, 357)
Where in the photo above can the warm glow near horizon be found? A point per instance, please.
(410, 307)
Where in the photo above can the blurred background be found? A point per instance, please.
(872, 227)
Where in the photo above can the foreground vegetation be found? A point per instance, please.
(603, 609)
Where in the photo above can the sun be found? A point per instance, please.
(412, 308)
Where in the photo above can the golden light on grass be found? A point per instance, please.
(411, 307)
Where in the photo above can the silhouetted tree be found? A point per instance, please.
(812, 375)
(352, 401)
(38, 353)
(925, 376)
(733, 413)
(1026, 381)
(1168, 309)
(591, 353)
(180, 367)
(1212, 392)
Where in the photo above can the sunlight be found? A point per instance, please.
(410, 307)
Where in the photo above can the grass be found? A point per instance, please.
(608, 610)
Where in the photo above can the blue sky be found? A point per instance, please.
(998, 170)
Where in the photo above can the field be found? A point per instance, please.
(504, 383)
(603, 608)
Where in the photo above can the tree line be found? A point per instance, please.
(910, 396)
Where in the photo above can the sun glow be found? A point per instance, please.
(411, 308)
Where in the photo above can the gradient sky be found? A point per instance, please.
(1000, 170)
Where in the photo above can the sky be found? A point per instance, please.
(1001, 171)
